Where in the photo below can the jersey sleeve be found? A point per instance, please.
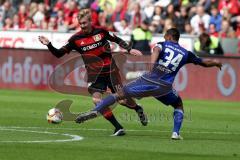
(192, 58)
(68, 47)
(62, 51)
(158, 45)
(109, 35)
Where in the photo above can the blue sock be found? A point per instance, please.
(178, 118)
(106, 102)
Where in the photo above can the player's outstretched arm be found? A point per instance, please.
(56, 52)
(211, 63)
(123, 44)
(192, 58)
(135, 52)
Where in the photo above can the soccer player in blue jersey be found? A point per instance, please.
(167, 58)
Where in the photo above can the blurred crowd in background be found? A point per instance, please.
(139, 18)
(219, 18)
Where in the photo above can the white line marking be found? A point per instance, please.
(72, 137)
(130, 130)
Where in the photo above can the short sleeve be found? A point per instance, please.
(159, 45)
(192, 58)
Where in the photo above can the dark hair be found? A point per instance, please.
(146, 22)
(205, 41)
(174, 33)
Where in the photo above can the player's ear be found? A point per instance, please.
(165, 37)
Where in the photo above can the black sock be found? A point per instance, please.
(114, 122)
(138, 108)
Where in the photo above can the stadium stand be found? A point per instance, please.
(219, 18)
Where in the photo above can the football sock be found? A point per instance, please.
(178, 118)
(137, 108)
(106, 102)
(113, 121)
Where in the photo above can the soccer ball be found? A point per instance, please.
(54, 116)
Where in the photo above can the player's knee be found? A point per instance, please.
(96, 100)
(96, 97)
(178, 104)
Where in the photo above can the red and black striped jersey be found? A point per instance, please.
(95, 49)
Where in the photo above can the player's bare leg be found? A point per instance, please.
(109, 100)
(130, 103)
(100, 109)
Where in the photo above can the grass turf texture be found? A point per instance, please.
(211, 130)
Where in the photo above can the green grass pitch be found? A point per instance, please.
(211, 130)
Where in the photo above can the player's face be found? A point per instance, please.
(85, 24)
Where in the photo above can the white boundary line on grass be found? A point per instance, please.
(72, 137)
(130, 130)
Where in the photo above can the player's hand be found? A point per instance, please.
(43, 40)
(218, 64)
(135, 52)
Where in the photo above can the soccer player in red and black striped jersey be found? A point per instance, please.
(102, 71)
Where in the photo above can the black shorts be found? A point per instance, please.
(102, 82)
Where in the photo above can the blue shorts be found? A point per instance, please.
(172, 98)
(142, 87)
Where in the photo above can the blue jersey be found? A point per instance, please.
(171, 58)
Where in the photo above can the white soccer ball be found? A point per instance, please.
(54, 116)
